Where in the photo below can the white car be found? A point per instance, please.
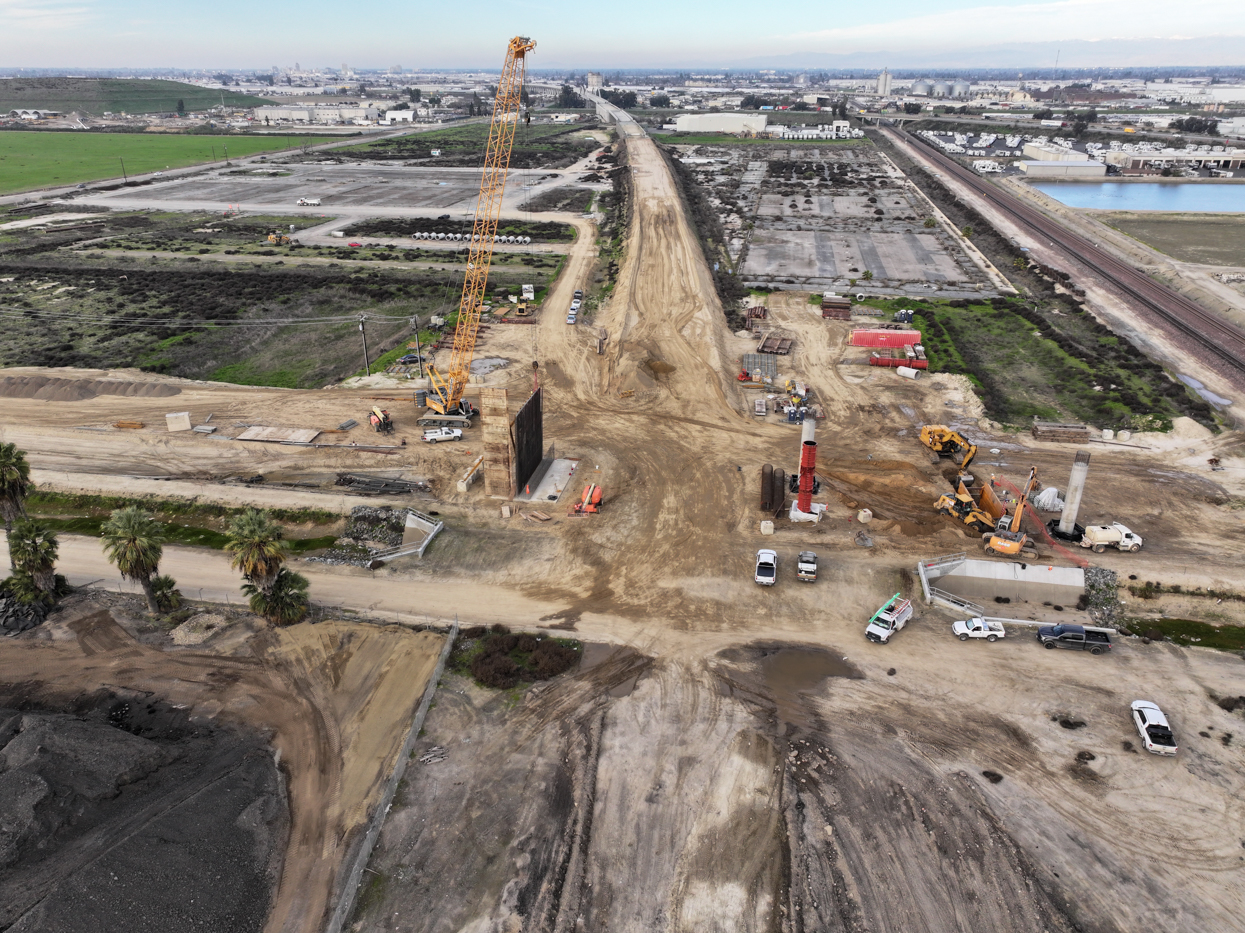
(436, 435)
(1152, 726)
(575, 304)
(767, 567)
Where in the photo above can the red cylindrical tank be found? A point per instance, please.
(808, 467)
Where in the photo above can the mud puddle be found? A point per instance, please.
(597, 654)
(789, 673)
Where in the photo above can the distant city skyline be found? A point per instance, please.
(728, 33)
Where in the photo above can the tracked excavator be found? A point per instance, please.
(446, 405)
(946, 442)
(1008, 540)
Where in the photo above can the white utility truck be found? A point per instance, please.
(888, 620)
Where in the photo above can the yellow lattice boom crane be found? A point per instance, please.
(446, 399)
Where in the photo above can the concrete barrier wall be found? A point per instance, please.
(980, 580)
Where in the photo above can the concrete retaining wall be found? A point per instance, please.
(982, 580)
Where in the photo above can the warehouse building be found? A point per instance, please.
(1046, 153)
(743, 123)
(1063, 168)
(1225, 158)
(322, 114)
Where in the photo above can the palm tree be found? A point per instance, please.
(168, 596)
(255, 541)
(285, 602)
(14, 486)
(33, 550)
(133, 540)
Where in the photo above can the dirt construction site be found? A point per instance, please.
(723, 757)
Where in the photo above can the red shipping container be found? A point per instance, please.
(865, 337)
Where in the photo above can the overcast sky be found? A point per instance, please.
(260, 33)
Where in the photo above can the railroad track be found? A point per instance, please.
(1225, 341)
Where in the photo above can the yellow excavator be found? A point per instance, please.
(446, 405)
(946, 442)
(278, 239)
(1008, 540)
(962, 505)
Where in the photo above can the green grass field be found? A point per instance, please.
(40, 159)
(114, 95)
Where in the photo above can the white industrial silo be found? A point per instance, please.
(942, 89)
(961, 89)
(921, 88)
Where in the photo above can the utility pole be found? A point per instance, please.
(123, 175)
(419, 357)
(367, 367)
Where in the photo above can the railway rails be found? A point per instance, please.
(1225, 342)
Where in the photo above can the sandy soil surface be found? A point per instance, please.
(766, 786)
(335, 699)
(726, 789)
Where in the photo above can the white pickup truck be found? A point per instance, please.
(1100, 537)
(436, 435)
(888, 620)
(989, 629)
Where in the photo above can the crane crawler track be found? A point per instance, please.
(1225, 341)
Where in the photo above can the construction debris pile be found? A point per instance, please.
(380, 485)
(1102, 589)
(370, 531)
(17, 616)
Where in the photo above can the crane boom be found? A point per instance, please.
(447, 390)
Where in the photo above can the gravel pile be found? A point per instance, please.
(51, 389)
(1102, 596)
(370, 531)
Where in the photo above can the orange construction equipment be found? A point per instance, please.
(447, 391)
(589, 503)
(1008, 540)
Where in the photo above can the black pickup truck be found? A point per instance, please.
(1077, 637)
